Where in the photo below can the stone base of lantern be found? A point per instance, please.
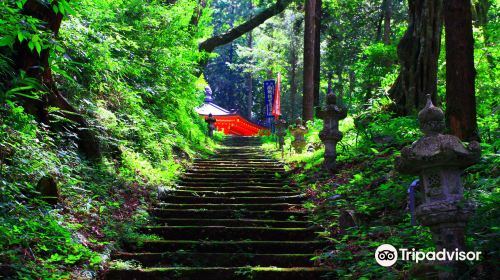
(299, 146)
(330, 139)
(447, 221)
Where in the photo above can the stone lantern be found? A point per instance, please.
(439, 160)
(330, 135)
(210, 120)
(298, 131)
(281, 132)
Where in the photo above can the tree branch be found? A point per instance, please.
(210, 44)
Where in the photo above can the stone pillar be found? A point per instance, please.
(281, 132)
(439, 160)
(298, 131)
(331, 135)
(210, 125)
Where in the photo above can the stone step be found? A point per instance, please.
(239, 188)
(229, 175)
(237, 166)
(226, 180)
(231, 184)
(232, 222)
(238, 163)
(245, 246)
(216, 259)
(239, 159)
(239, 152)
(231, 233)
(231, 206)
(235, 193)
(233, 200)
(229, 214)
(236, 170)
(222, 273)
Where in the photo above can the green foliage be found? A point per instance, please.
(130, 68)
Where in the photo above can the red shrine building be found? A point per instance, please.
(229, 121)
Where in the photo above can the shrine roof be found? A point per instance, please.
(214, 109)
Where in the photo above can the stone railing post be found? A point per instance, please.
(331, 135)
(439, 160)
(298, 131)
(210, 120)
(281, 132)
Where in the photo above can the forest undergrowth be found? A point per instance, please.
(365, 203)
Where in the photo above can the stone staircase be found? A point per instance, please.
(232, 217)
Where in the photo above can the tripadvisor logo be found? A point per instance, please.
(387, 255)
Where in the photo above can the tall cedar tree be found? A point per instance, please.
(460, 72)
(317, 51)
(418, 53)
(387, 10)
(294, 65)
(309, 60)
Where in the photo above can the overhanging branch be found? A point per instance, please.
(210, 44)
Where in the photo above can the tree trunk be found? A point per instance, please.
(249, 79)
(340, 85)
(293, 80)
(418, 53)
(378, 32)
(352, 85)
(387, 21)
(460, 72)
(309, 60)
(38, 66)
(197, 13)
(317, 52)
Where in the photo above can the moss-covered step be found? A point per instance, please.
(235, 169)
(222, 273)
(231, 206)
(235, 183)
(240, 158)
(231, 233)
(235, 193)
(218, 179)
(216, 259)
(228, 214)
(231, 222)
(238, 188)
(238, 163)
(233, 200)
(244, 246)
(255, 159)
(241, 174)
(229, 171)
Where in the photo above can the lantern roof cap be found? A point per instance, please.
(436, 150)
(431, 118)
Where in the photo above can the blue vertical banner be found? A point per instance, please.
(269, 89)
